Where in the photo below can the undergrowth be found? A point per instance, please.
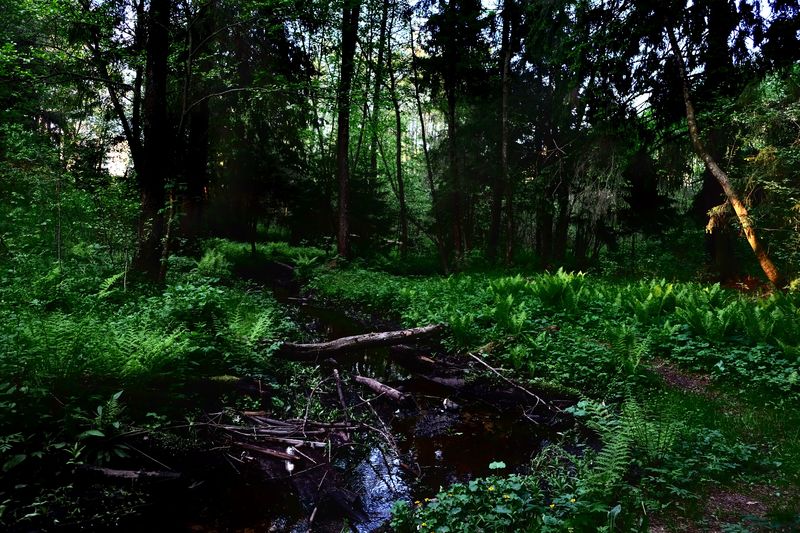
(568, 327)
(650, 455)
(85, 356)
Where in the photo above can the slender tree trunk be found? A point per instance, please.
(129, 131)
(562, 223)
(501, 181)
(312, 92)
(455, 190)
(350, 13)
(769, 268)
(157, 142)
(544, 229)
(196, 120)
(376, 92)
(438, 230)
(139, 39)
(401, 189)
(511, 228)
(196, 169)
(355, 158)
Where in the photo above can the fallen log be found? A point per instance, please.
(133, 475)
(383, 338)
(380, 388)
(450, 383)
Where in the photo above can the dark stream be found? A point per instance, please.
(447, 434)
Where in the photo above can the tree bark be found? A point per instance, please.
(140, 36)
(562, 222)
(455, 189)
(196, 119)
(376, 92)
(350, 14)
(544, 228)
(401, 188)
(769, 268)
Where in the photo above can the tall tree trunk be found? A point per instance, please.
(439, 229)
(376, 92)
(350, 13)
(544, 231)
(196, 169)
(455, 189)
(196, 119)
(140, 36)
(769, 268)
(401, 188)
(511, 228)
(562, 222)
(501, 182)
(157, 144)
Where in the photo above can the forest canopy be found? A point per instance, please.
(550, 130)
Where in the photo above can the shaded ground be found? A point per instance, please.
(741, 508)
(723, 509)
(681, 379)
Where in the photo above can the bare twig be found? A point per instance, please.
(538, 399)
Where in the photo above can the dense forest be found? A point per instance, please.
(399, 265)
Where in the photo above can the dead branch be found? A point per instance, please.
(266, 451)
(384, 338)
(515, 385)
(380, 388)
(133, 475)
(341, 395)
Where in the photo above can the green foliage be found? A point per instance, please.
(213, 264)
(612, 462)
(495, 503)
(766, 156)
(603, 332)
(84, 336)
(235, 257)
(599, 337)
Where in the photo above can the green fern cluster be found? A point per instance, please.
(222, 256)
(562, 290)
(214, 264)
(772, 319)
(626, 345)
(598, 333)
(610, 465)
(189, 328)
(647, 301)
(653, 438)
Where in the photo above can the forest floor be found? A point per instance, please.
(746, 504)
(550, 402)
